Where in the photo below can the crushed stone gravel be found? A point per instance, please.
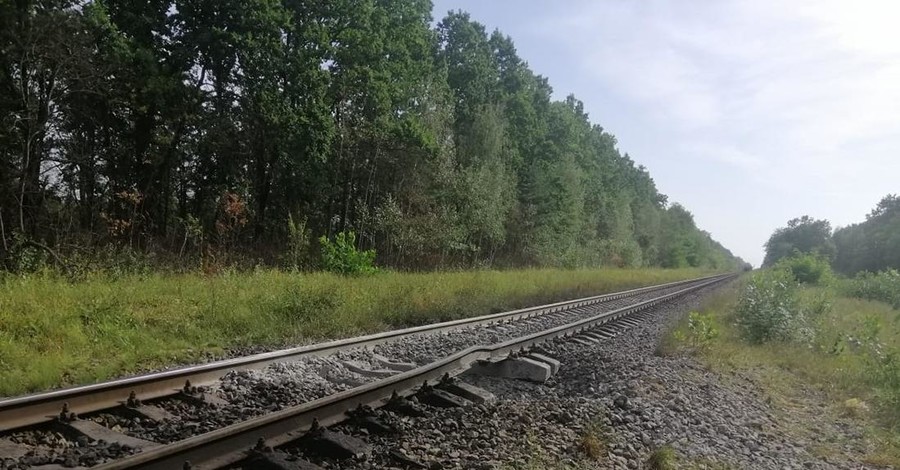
(622, 393)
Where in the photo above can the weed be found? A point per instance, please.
(298, 243)
(854, 407)
(593, 442)
(700, 332)
(663, 458)
(341, 255)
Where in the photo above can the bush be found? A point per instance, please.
(297, 243)
(883, 287)
(807, 268)
(701, 331)
(768, 308)
(341, 256)
(884, 372)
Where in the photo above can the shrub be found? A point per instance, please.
(297, 243)
(25, 257)
(701, 331)
(768, 309)
(883, 287)
(807, 268)
(342, 256)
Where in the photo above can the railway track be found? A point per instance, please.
(211, 415)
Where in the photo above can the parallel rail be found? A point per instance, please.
(43, 407)
(229, 445)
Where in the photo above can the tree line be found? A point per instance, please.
(249, 128)
(872, 245)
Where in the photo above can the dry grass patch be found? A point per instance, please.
(593, 442)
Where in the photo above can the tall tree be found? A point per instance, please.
(803, 235)
(190, 126)
(873, 245)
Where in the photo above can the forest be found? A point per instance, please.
(242, 132)
(870, 246)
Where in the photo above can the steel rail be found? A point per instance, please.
(231, 444)
(32, 409)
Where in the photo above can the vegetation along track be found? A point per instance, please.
(212, 413)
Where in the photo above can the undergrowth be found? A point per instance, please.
(789, 335)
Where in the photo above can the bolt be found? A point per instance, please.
(260, 445)
(66, 415)
(133, 400)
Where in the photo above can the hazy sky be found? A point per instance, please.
(748, 112)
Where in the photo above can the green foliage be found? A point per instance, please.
(852, 354)
(881, 362)
(807, 268)
(437, 146)
(803, 235)
(873, 245)
(298, 242)
(24, 257)
(341, 255)
(884, 373)
(883, 287)
(700, 332)
(768, 309)
(663, 458)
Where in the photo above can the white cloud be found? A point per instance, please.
(782, 92)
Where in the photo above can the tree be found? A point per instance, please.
(190, 128)
(802, 235)
(873, 245)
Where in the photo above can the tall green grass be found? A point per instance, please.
(55, 333)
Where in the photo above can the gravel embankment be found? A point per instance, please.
(252, 393)
(256, 392)
(633, 400)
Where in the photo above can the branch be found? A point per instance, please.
(55, 256)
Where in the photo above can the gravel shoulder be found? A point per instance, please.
(614, 404)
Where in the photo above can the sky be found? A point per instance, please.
(747, 112)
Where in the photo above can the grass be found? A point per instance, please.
(593, 442)
(834, 365)
(56, 333)
(663, 458)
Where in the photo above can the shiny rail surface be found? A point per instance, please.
(37, 408)
(231, 444)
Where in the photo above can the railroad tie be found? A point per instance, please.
(98, 432)
(12, 450)
(275, 460)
